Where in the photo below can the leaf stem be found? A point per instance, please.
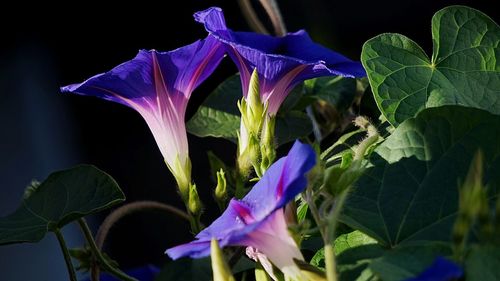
(99, 256)
(67, 256)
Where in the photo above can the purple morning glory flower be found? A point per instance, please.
(440, 270)
(144, 273)
(282, 62)
(158, 86)
(258, 220)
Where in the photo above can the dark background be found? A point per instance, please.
(43, 130)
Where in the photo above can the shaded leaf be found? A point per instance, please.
(63, 197)
(352, 264)
(407, 262)
(291, 126)
(483, 263)
(338, 91)
(186, 269)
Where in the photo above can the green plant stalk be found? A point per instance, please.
(340, 141)
(251, 17)
(330, 266)
(67, 256)
(363, 146)
(98, 254)
(330, 262)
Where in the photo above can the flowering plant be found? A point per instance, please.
(410, 193)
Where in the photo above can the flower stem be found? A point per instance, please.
(194, 221)
(130, 208)
(331, 227)
(251, 17)
(240, 184)
(67, 257)
(99, 256)
(274, 14)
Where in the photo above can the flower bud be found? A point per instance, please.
(267, 146)
(194, 202)
(255, 108)
(220, 189)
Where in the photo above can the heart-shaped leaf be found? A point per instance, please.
(63, 197)
(411, 192)
(219, 116)
(464, 68)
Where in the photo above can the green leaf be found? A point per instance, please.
(342, 243)
(464, 68)
(338, 91)
(302, 210)
(482, 263)
(411, 192)
(338, 179)
(63, 197)
(351, 240)
(186, 269)
(219, 116)
(407, 262)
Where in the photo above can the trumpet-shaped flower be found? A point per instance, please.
(282, 62)
(158, 86)
(258, 219)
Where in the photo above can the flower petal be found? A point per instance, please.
(272, 239)
(259, 213)
(284, 180)
(277, 58)
(158, 86)
(132, 80)
(180, 70)
(195, 249)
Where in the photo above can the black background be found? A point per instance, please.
(42, 130)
